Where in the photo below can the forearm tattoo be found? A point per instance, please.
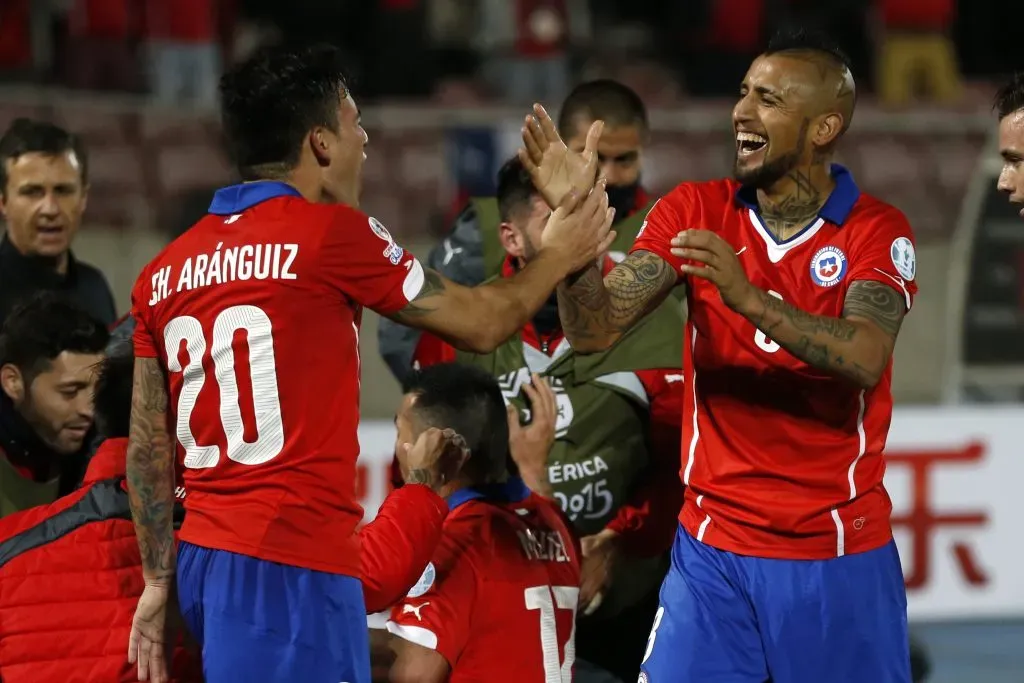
(150, 470)
(591, 306)
(426, 301)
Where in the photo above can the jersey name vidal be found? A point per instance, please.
(781, 459)
(254, 313)
(505, 578)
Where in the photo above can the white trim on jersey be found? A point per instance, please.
(414, 634)
(862, 445)
(776, 250)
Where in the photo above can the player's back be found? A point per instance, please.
(252, 313)
(500, 603)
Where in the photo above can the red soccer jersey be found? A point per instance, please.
(505, 579)
(780, 459)
(254, 312)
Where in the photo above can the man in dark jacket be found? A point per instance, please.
(43, 190)
(49, 351)
(472, 252)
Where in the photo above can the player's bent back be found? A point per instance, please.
(498, 602)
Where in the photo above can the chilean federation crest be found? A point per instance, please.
(828, 266)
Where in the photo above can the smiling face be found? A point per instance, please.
(342, 154)
(43, 202)
(786, 112)
(1011, 148)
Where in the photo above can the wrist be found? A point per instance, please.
(749, 305)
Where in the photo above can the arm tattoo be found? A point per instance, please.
(592, 307)
(150, 471)
(419, 476)
(841, 346)
(877, 302)
(425, 302)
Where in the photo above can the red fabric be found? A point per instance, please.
(736, 25)
(486, 571)
(398, 543)
(531, 43)
(293, 334)
(918, 15)
(15, 29)
(770, 445)
(105, 19)
(185, 21)
(81, 589)
(647, 522)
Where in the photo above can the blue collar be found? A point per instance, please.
(837, 207)
(234, 199)
(512, 491)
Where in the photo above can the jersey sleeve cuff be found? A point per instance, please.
(897, 283)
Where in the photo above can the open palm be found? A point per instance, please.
(554, 168)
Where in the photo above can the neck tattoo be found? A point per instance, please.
(789, 215)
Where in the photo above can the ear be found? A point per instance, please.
(320, 145)
(511, 239)
(829, 128)
(12, 382)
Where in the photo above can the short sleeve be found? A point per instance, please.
(437, 612)
(142, 339)
(359, 257)
(664, 221)
(887, 254)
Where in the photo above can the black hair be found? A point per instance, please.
(45, 326)
(1010, 97)
(515, 188)
(113, 396)
(467, 399)
(273, 99)
(605, 100)
(798, 39)
(27, 136)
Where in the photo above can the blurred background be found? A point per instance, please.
(443, 85)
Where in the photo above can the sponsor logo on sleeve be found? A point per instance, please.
(425, 582)
(904, 258)
(392, 251)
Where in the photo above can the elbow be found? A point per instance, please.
(591, 343)
(481, 340)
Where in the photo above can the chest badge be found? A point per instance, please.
(828, 266)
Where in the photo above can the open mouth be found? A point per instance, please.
(748, 144)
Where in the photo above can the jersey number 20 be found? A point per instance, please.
(761, 339)
(263, 375)
(565, 597)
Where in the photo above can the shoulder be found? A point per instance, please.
(871, 214)
(91, 275)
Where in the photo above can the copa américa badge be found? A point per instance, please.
(425, 582)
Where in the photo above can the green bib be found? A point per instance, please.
(602, 450)
(18, 493)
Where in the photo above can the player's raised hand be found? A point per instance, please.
(580, 229)
(555, 168)
(148, 641)
(435, 459)
(531, 444)
(717, 262)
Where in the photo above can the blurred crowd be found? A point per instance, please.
(468, 51)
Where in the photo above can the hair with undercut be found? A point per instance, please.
(1010, 98)
(804, 40)
(45, 326)
(273, 99)
(605, 100)
(515, 189)
(467, 399)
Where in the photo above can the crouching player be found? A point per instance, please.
(505, 576)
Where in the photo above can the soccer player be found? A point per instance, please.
(784, 567)
(472, 252)
(246, 341)
(1010, 109)
(498, 601)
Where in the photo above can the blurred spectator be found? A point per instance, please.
(916, 55)
(15, 44)
(49, 352)
(101, 49)
(77, 568)
(183, 50)
(43, 188)
(721, 38)
(527, 44)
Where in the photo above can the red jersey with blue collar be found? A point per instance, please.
(780, 459)
(504, 578)
(254, 313)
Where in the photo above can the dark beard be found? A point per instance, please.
(622, 198)
(768, 173)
